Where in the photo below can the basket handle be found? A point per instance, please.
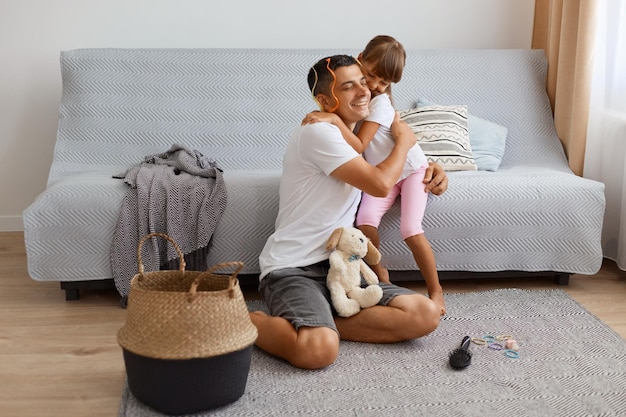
(181, 267)
(231, 282)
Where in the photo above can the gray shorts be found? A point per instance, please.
(300, 295)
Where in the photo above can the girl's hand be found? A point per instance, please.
(318, 116)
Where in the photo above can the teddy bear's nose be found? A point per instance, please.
(361, 240)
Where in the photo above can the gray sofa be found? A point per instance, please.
(238, 107)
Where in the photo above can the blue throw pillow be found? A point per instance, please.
(487, 139)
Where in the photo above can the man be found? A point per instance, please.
(320, 189)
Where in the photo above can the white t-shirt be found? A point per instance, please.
(383, 113)
(312, 203)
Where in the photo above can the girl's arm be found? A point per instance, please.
(379, 180)
(358, 141)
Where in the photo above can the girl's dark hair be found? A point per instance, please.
(320, 78)
(389, 56)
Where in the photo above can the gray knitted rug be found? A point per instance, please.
(569, 364)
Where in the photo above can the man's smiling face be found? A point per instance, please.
(353, 94)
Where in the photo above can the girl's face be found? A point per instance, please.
(376, 84)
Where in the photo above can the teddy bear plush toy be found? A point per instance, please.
(349, 248)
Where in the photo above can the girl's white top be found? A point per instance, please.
(383, 113)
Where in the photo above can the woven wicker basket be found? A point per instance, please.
(190, 332)
(185, 314)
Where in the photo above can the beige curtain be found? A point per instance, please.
(605, 159)
(565, 29)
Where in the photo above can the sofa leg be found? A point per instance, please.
(72, 294)
(72, 288)
(562, 278)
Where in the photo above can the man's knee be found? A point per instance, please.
(422, 315)
(428, 317)
(318, 347)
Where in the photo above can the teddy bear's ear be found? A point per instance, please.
(333, 240)
(373, 255)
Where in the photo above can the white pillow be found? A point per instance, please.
(442, 133)
(487, 139)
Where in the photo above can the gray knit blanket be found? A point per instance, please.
(180, 193)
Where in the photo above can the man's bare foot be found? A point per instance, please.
(258, 313)
(437, 297)
(258, 317)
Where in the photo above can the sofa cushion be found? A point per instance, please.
(442, 133)
(488, 139)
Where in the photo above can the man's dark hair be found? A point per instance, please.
(320, 78)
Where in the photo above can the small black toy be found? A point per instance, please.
(461, 357)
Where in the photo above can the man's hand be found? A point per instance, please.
(436, 179)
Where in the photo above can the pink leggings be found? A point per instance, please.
(412, 205)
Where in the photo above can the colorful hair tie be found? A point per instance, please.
(314, 87)
(512, 344)
(511, 354)
(332, 87)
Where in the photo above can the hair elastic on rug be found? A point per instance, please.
(511, 354)
(510, 345)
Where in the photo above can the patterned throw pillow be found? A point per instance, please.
(487, 138)
(442, 133)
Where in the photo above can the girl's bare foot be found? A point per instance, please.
(437, 297)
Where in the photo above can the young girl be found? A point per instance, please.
(382, 62)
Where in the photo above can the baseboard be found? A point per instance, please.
(11, 224)
(561, 278)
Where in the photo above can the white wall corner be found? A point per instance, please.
(11, 224)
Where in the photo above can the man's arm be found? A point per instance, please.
(379, 180)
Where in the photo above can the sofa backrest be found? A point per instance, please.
(238, 106)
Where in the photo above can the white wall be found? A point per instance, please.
(33, 32)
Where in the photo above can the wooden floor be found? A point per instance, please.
(61, 358)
